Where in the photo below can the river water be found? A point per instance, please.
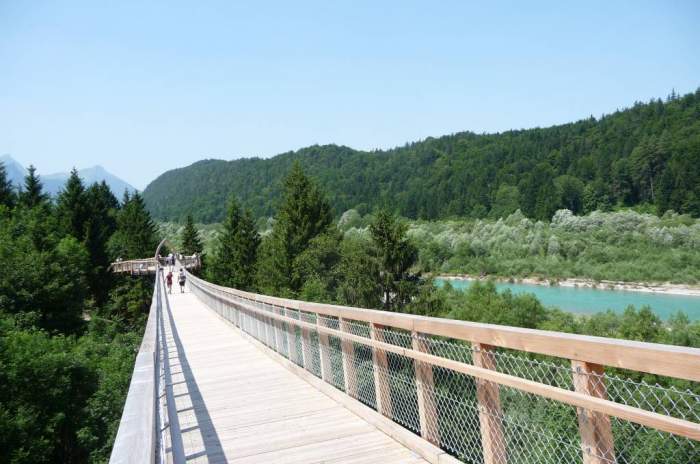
(592, 300)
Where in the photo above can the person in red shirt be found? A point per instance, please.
(169, 281)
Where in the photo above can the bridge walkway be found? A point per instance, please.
(235, 404)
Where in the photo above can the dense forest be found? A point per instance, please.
(69, 329)
(647, 155)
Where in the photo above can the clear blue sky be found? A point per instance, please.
(142, 87)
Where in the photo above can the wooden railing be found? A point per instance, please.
(457, 384)
(149, 265)
(138, 434)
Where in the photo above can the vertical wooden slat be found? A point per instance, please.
(324, 347)
(425, 385)
(276, 330)
(306, 346)
(381, 364)
(292, 337)
(488, 397)
(597, 443)
(349, 374)
(284, 330)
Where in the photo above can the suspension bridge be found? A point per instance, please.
(224, 375)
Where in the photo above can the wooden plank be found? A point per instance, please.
(597, 444)
(667, 360)
(425, 385)
(427, 450)
(235, 404)
(488, 398)
(381, 371)
(349, 373)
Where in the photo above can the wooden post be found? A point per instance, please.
(284, 332)
(349, 374)
(381, 382)
(305, 345)
(425, 386)
(324, 348)
(597, 444)
(488, 397)
(276, 330)
(292, 340)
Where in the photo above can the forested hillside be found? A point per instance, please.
(647, 154)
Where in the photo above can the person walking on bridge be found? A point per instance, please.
(169, 281)
(181, 280)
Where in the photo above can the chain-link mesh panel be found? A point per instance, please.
(362, 383)
(397, 379)
(336, 375)
(538, 430)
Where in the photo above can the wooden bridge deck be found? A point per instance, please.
(235, 404)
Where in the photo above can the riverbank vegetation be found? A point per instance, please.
(621, 246)
(624, 245)
(69, 329)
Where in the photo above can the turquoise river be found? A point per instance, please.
(593, 300)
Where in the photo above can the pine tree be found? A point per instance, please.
(32, 194)
(72, 207)
(7, 193)
(234, 261)
(190, 241)
(99, 227)
(136, 235)
(303, 214)
(395, 254)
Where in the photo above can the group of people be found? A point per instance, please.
(170, 261)
(180, 280)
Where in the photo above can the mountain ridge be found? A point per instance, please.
(53, 183)
(648, 154)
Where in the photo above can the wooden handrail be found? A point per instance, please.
(653, 358)
(640, 416)
(148, 265)
(137, 438)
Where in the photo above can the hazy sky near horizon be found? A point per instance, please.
(143, 87)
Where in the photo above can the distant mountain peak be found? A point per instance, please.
(53, 183)
(15, 172)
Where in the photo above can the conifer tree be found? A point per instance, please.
(395, 254)
(32, 194)
(234, 261)
(190, 240)
(303, 214)
(7, 194)
(100, 225)
(136, 235)
(72, 207)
